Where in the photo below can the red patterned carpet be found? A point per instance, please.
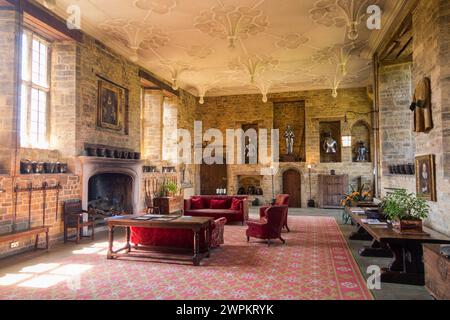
(315, 264)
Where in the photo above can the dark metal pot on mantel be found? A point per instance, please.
(110, 153)
(62, 167)
(91, 151)
(26, 167)
(101, 152)
(137, 155)
(131, 155)
(50, 167)
(125, 155)
(39, 167)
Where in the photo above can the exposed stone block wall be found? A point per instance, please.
(431, 25)
(70, 190)
(97, 60)
(9, 36)
(231, 112)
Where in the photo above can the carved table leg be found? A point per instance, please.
(110, 242)
(208, 242)
(196, 258)
(361, 235)
(376, 250)
(127, 239)
(407, 266)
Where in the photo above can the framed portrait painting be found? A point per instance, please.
(426, 177)
(112, 107)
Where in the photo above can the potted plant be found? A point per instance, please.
(405, 210)
(172, 188)
(169, 189)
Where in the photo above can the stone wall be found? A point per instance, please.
(75, 70)
(9, 36)
(70, 190)
(431, 23)
(231, 112)
(98, 61)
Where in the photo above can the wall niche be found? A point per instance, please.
(329, 129)
(291, 113)
(360, 134)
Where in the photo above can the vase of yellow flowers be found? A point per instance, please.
(355, 197)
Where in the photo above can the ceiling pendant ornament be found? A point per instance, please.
(231, 23)
(176, 69)
(135, 35)
(292, 41)
(355, 11)
(326, 13)
(157, 6)
(254, 64)
(341, 13)
(50, 4)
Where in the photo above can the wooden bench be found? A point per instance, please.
(28, 233)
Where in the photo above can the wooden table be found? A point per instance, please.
(196, 224)
(407, 265)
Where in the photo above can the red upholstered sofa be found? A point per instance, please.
(202, 208)
(178, 238)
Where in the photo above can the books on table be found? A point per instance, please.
(374, 222)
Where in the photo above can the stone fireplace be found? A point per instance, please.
(115, 180)
(250, 185)
(110, 193)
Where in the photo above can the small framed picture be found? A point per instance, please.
(426, 177)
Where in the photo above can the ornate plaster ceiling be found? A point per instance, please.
(222, 47)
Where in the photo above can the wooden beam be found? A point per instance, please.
(145, 75)
(44, 15)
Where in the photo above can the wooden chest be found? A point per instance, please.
(437, 272)
(169, 205)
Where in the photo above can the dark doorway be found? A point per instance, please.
(292, 187)
(213, 177)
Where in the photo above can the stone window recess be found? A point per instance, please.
(35, 91)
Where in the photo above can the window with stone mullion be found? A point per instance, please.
(35, 91)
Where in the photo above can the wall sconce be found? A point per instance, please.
(346, 141)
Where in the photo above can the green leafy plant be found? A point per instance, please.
(401, 205)
(172, 187)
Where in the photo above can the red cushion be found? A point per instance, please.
(218, 204)
(196, 204)
(236, 204)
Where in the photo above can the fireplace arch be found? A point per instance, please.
(93, 166)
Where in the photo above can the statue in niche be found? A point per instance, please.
(362, 153)
(290, 137)
(330, 145)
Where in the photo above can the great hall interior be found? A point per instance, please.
(224, 149)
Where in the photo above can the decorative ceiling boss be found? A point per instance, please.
(135, 35)
(231, 23)
(341, 13)
(157, 6)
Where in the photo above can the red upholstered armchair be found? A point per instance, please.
(270, 226)
(280, 200)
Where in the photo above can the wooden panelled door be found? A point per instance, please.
(331, 190)
(292, 187)
(212, 177)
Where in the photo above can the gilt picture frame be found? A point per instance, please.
(112, 109)
(426, 177)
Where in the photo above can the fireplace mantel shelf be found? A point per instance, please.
(102, 160)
